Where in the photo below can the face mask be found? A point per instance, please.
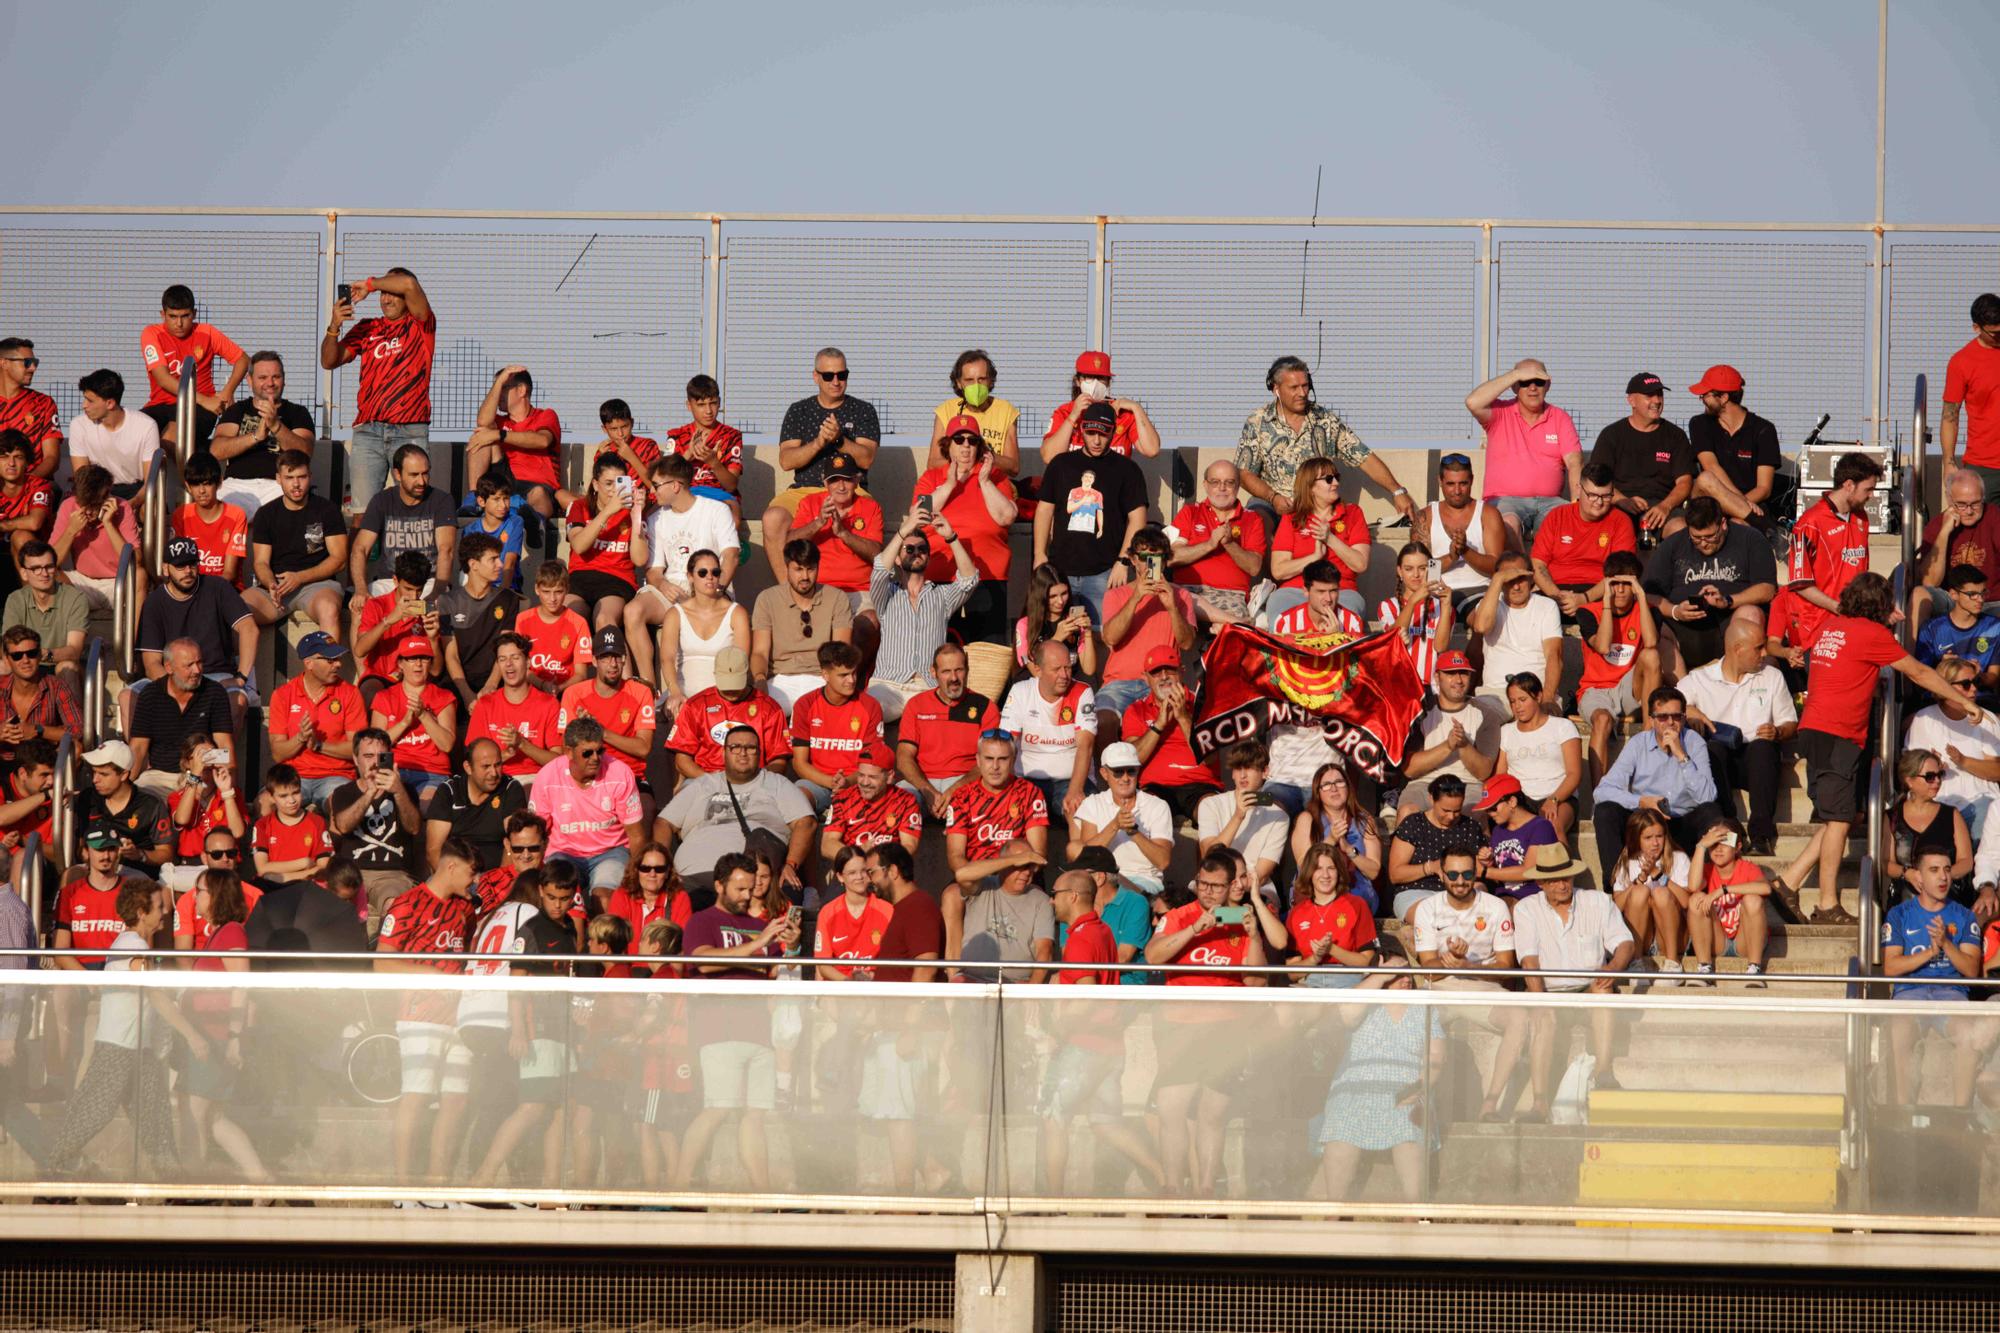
(976, 395)
(1099, 389)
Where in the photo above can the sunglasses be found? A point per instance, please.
(805, 622)
(223, 854)
(997, 734)
(963, 438)
(1929, 775)
(29, 361)
(1124, 772)
(1459, 874)
(1456, 461)
(1668, 717)
(831, 375)
(523, 848)
(590, 752)
(29, 655)
(708, 573)
(653, 870)
(1531, 384)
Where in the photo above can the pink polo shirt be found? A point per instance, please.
(1527, 460)
(585, 821)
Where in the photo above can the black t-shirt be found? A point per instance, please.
(1091, 498)
(802, 422)
(1428, 842)
(209, 617)
(161, 718)
(1754, 445)
(476, 625)
(1645, 464)
(484, 824)
(1678, 571)
(260, 461)
(145, 819)
(400, 527)
(379, 841)
(297, 537)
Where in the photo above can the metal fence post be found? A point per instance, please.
(1484, 318)
(326, 301)
(1100, 309)
(711, 342)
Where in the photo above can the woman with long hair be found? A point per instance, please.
(1320, 527)
(607, 546)
(973, 376)
(1053, 612)
(1921, 823)
(698, 627)
(1379, 1095)
(650, 892)
(971, 491)
(1335, 813)
(1331, 926)
(1650, 886)
(1544, 754)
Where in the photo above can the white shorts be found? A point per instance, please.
(651, 589)
(96, 592)
(788, 690)
(895, 695)
(434, 1059)
(889, 1080)
(737, 1075)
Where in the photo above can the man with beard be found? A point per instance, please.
(914, 611)
(411, 515)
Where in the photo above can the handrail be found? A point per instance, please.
(28, 871)
(185, 414)
(1912, 478)
(125, 612)
(153, 535)
(94, 686)
(62, 808)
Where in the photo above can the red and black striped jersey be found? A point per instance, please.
(859, 822)
(421, 922)
(394, 356)
(989, 819)
(35, 493)
(33, 413)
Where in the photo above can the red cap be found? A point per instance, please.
(962, 424)
(878, 755)
(416, 645)
(1097, 365)
(1453, 661)
(1165, 655)
(1499, 789)
(1718, 379)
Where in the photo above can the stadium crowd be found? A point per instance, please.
(536, 720)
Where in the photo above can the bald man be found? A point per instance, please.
(1743, 706)
(1532, 449)
(1219, 547)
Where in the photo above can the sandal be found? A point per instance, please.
(1835, 915)
(1789, 897)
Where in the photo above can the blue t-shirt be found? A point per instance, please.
(1908, 927)
(1939, 638)
(513, 535)
(1130, 917)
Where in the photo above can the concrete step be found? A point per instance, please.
(1718, 1111)
(1716, 1074)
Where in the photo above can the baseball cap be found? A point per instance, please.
(1645, 382)
(321, 644)
(1162, 656)
(111, 752)
(100, 836)
(414, 645)
(1096, 860)
(1097, 365)
(1718, 379)
(732, 669)
(1453, 661)
(1120, 754)
(1498, 789)
(962, 424)
(878, 755)
(843, 466)
(610, 642)
(183, 551)
(1098, 414)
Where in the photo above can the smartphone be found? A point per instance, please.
(623, 485)
(792, 916)
(925, 507)
(1260, 798)
(1436, 571)
(1231, 916)
(344, 291)
(1156, 565)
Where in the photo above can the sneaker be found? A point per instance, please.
(1704, 975)
(1763, 846)
(1753, 976)
(1668, 972)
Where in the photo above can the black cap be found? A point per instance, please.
(1098, 414)
(843, 466)
(610, 642)
(1645, 382)
(183, 551)
(1097, 860)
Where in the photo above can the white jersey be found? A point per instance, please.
(499, 932)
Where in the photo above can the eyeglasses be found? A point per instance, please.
(1929, 775)
(523, 848)
(590, 752)
(831, 375)
(1459, 874)
(708, 573)
(1455, 461)
(653, 870)
(1531, 384)
(46, 568)
(29, 361)
(32, 654)
(223, 853)
(747, 747)
(1668, 717)
(1976, 594)
(1331, 786)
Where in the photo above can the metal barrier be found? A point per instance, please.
(125, 613)
(153, 535)
(62, 804)
(96, 684)
(29, 870)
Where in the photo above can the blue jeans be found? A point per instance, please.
(606, 870)
(1055, 790)
(1089, 589)
(1292, 797)
(318, 790)
(373, 444)
(1116, 696)
(420, 781)
(1527, 510)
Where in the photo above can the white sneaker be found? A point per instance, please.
(1668, 972)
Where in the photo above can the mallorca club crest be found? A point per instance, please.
(1315, 686)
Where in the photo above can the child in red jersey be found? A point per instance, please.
(292, 842)
(559, 637)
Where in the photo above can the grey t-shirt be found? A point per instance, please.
(69, 611)
(400, 527)
(706, 822)
(1002, 927)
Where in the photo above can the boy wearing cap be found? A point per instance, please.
(1136, 825)
(1132, 431)
(695, 737)
(313, 718)
(816, 430)
(137, 818)
(1651, 462)
(1160, 725)
(1737, 450)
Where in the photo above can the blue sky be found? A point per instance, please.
(1699, 109)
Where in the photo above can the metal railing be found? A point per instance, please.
(96, 685)
(125, 612)
(63, 804)
(30, 871)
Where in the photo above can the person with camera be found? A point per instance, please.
(1143, 614)
(914, 608)
(396, 349)
(1136, 825)
(373, 820)
(1244, 818)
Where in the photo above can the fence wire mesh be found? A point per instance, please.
(1791, 316)
(1931, 286)
(1388, 325)
(84, 296)
(591, 315)
(902, 309)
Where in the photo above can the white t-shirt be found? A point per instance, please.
(1514, 644)
(123, 453)
(1484, 924)
(1676, 872)
(500, 932)
(1297, 753)
(1261, 836)
(1535, 757)
(1154, 818)
(1047, 731)
(1761, 698)
(673, 537)
(1932, 730)
(118, 1007)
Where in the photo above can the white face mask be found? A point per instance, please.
(1098, 389)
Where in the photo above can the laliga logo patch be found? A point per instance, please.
(1315, 687)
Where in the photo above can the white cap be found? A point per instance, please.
(111, 752)
(1121, 754)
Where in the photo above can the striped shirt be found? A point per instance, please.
(1420, 638)
(911, 634)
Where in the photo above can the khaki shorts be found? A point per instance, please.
(788, 499)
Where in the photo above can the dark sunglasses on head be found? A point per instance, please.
(1531, 384)
(1456, 461)
(997, 734)
(831, 375)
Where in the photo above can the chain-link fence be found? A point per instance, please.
(1398, 321)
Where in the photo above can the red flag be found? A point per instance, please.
(1363, 691)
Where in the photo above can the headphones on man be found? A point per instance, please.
(1283, 364)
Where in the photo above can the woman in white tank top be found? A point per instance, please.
(700, 627)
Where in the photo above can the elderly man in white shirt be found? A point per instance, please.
(1744, 709)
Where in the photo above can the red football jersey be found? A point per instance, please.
(558, 648)
(989, 819)
(839, 566)
(611, 553)
(725, 444)
(33, 413)
(946, 736)
(204, 344)
(836, 734)
(226, 535)
(838, 933)
(90, 916)
(534, 718)
(626, 711)
(647, 449)
(1173, 763)
(707, 717)
(1222, 946)
(395, 359)
(859, 822)
(421, 922)
(35, 493)
(1828, 550)
(416, 749)
(536, 465)
(214, 815)
(307, 839)
(336, 715)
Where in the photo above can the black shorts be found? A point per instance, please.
(593, 586)
(1700, 640)
(1834, 766)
